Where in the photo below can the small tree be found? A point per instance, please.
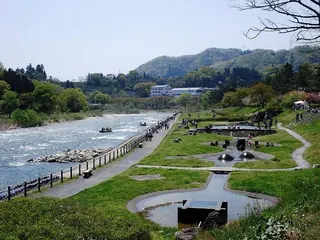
(291, 97)
(184, 100)
(10, 102)
(261, 93)
(45, 97)
(229, 99)
(72, 100)
(4, 86)
(102, 98)
(207, 99)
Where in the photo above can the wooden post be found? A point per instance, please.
(79, 169)
(39, 184)
(70, 172)
(25, 189)
(105, 159)
(9, 193)
(61, 176)
(87, 165)
(51, 180)
(109, 158)
(117, 153)
(94, 164)
(114, 155)
(99, 161)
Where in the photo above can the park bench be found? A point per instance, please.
(87, 173)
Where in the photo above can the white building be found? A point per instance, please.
(160, 90)
(195, 91)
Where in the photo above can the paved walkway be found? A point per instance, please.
(297, 155)
(73, 187)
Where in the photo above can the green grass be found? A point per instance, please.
(288, 116)
(190, 145)
(48, 218)
(282, 153)
(299, 207)
(96, 213)
(311, 132)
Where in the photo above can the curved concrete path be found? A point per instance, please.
(160, 208)
(110, 170)
(297, 155)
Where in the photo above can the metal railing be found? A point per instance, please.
(106, 157)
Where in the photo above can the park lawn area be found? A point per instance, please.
(311, 132)
(99, 212)
(299, 192)
(238, 111)
(202, 124)
(288, 116)
(190, 145)
(282, 153)
(112, 196)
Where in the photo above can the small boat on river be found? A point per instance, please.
(143, 124)
(105, 130)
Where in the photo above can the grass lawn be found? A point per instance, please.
(96, 213)
(311, 132)
(287, 117)
(282, 153)
(299, 207)
(190, 145)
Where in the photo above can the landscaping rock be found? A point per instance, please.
(187, 234)
(211, 221)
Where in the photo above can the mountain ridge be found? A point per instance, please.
(220, 58)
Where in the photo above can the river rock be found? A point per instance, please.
(71, 156)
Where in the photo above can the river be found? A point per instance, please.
(19, 145)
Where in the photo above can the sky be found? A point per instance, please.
(74, 37)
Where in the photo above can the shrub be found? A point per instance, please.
(291, 97)
(26, 118)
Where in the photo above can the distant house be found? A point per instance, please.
(160, 90)
(166, 90)
(195, 91)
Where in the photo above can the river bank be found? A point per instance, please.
(19, 145)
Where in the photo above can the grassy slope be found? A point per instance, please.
(96, 213)
(299, 192)
(281, 153)
(311, 132)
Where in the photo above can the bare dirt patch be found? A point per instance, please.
(178, 157)
(147, 177)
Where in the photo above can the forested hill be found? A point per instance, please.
(220, 58)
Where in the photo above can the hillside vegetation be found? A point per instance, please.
(260, 59)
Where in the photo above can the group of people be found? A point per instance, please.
(164, 123)
(107, 129)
